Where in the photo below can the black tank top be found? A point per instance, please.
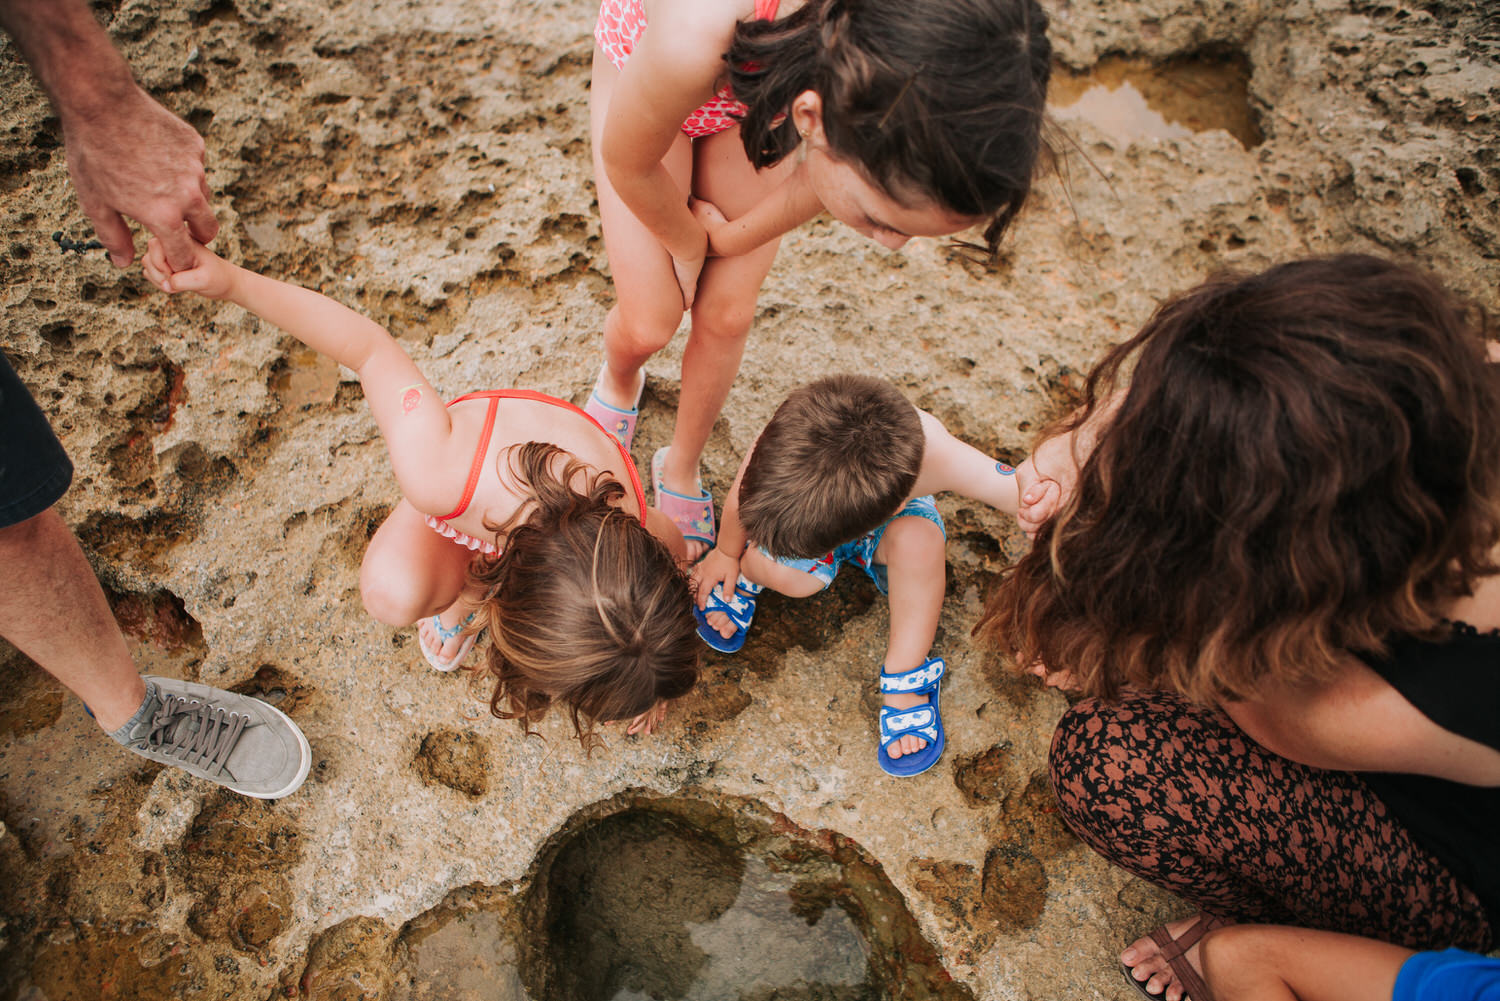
(1456, 684)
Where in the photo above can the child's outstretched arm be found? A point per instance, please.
(411, 417)
(953, 465)
(791, 204)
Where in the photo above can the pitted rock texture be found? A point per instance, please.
(428, 164)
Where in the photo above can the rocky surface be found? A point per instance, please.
(427, 163)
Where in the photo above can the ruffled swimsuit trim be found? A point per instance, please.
(618, 29)
(442, 526)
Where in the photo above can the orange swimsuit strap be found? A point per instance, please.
(495, 396)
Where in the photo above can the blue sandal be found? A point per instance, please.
(923, 721)
(740, 609)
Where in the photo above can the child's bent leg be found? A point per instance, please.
(648, 302)
(913, 552)
(725, 306)
(411, 573)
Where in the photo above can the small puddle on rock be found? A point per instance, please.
(683, 899)
(679, 900)
(1131, 99)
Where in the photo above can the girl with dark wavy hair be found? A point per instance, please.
(515, 519)
(906, 117)
(1266, 553)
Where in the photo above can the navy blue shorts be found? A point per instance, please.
(34, 469)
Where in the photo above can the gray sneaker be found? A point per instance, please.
(234, 740)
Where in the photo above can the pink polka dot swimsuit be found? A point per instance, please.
(619, 26)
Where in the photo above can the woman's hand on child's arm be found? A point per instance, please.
(1040, 498)
(210, 275)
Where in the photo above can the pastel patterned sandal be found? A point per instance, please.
(620, 423)
(924, 721)
(693, 515)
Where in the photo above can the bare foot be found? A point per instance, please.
(908, 744)
(445, 650)
(721, 622)
(1144, 959)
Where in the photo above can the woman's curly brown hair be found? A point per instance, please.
(1305, 464)
(584, 606)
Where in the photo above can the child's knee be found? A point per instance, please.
(642, 331)
(388, 597)
(795, 584)
(723, 317)
(912, 543)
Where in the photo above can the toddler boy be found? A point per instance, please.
(845, 473)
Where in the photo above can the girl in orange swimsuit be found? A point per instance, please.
(520, 516)
(908, 117)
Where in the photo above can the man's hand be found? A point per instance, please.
(140, 160)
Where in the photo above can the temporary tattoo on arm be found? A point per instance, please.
(1005, 469)
(411, 397)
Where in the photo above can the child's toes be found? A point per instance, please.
(721, 622)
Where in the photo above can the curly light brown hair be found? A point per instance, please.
(1306, 462)
(584, 606)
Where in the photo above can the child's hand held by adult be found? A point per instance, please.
(206, 274)
(1040, 502)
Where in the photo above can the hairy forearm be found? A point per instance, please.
(71, 55)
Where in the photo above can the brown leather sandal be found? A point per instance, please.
(1174, 951)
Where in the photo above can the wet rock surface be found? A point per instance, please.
(428, 164)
